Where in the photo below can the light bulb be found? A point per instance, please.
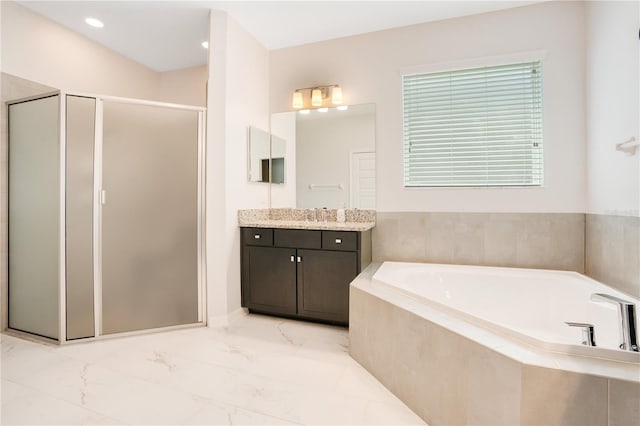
(297, 100)
(316, 97)
(94, 22)
(336, 95)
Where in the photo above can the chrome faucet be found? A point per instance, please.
(588, 333)
(627, 323)
(315, 214)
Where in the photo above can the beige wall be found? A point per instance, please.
(40, 50)
(613, 106)
(187, 86)
(238, 98)
(613, 116)
(369, 68)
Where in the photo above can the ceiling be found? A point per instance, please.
(166, 35)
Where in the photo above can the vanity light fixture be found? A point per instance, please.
(297, 100)
(336, 95)
(318, 96)
(96, 23)
(205, 44)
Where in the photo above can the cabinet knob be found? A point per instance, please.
(256, 236)
(293, 258)
(299, 259)
(338, 240)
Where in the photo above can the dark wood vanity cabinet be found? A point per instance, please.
(302, 273)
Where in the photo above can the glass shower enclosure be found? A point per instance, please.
(106, 216)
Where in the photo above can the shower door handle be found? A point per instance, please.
(103, 197)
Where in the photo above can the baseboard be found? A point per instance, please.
(224, 320)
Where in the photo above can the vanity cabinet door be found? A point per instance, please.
(323, 283)
(270, 279)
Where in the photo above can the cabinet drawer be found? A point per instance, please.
(339, 240)
(297, 238)
(257, 236)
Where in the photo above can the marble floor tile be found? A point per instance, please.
(356, 381)
(257, 370)
(32, 407)
(215, 413)
(306, 405)
(389, 414)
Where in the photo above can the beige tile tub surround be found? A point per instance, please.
(525, 240)
(356, 219)
(448, 378)
(612, 251)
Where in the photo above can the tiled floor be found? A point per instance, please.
(259, 370)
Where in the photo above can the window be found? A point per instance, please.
(474, 127)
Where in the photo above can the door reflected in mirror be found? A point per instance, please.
(266, 157)
(334, 157)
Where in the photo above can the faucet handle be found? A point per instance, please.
(588, 332)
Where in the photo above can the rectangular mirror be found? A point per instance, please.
(258, 153)
(334, 154)
(266, 157)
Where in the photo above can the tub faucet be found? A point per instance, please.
(588, 333)
(627, 318)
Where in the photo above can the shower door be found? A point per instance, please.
(149, 217)
(34, 215)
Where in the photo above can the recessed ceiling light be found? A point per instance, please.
(94, 22)
(342, 107)
(304, 111)
(205, 44)
(325, 109)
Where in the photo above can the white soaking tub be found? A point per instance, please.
(529, 305)
(485, 345)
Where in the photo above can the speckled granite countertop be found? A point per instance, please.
(300, 224)
(357, 220)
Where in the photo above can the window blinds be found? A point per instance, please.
(474, 127)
